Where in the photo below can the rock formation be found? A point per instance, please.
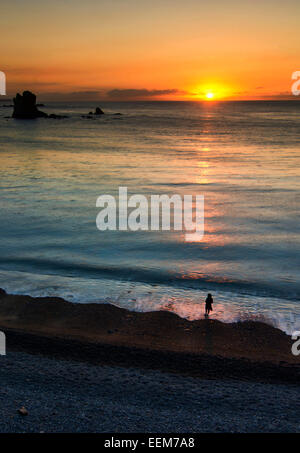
(25, 107)
(97, 111)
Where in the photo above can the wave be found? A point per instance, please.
(153, 277)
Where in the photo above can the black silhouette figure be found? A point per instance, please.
(208, 304)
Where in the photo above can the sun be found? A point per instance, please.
(209, 95)
(209, 91)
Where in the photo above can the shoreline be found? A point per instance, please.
(107, 335)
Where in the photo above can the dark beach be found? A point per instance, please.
(101, 362)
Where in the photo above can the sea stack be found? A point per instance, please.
(25, 107)
(98, 111)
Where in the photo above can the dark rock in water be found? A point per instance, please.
(87, 116)
(98, 111)
(40, 105)
(25, 107)
(2, 292)
(118, 114)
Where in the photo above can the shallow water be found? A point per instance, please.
(242, 156)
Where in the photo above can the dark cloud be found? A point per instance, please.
(84, 93)
(283, 96)
(132, 93)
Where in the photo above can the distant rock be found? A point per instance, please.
(97, 111)
(2, 292)
(25, 107)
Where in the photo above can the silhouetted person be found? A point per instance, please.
(208, 304)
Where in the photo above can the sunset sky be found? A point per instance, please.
(158, 49)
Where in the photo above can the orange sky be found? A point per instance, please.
(159, 49)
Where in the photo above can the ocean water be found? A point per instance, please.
(244, 157)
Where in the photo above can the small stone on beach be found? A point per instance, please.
(23, 411)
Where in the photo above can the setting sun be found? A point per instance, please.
(211, 90)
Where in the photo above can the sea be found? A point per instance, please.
(243, 157)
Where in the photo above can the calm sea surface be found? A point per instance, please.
(244, 157)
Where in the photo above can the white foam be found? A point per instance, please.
(189, 304)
